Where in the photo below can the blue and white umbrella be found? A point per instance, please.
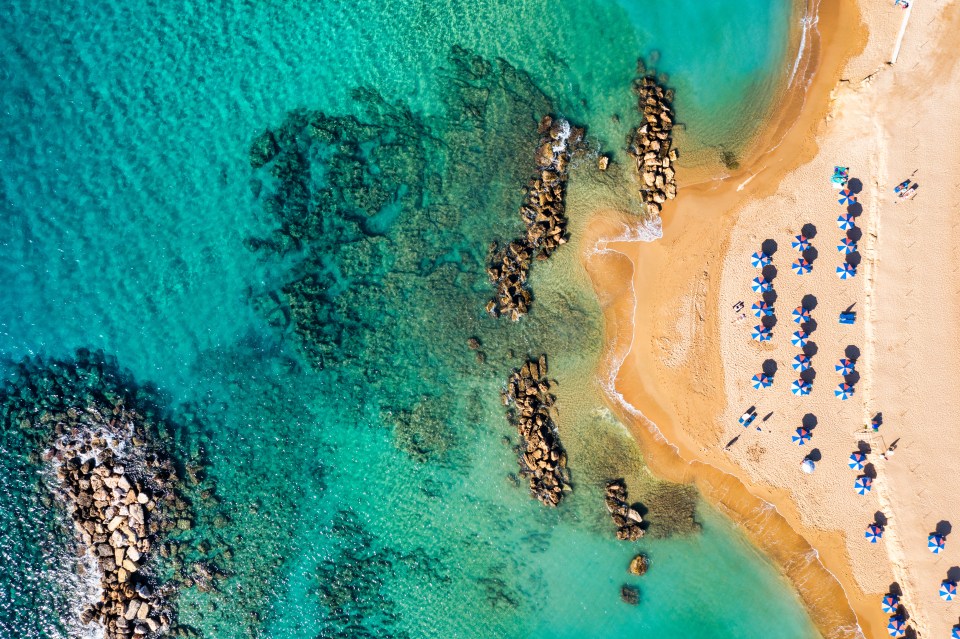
(801, 266)
(761, 309)
(897, 627)
(857, 461)
(847, 246)
(800, 315)
(760, 285)
(800, 362)
(948, 590)
(844, 391)
(761, 381)
(761, 333)
(847, 197)
(845, 222)
(846, 271)
(863, 485)
(889, 603)
(759, 259)
(845, 366)
(799, 339)
(874, 533)
(801, 243)
(955, 632)
(801, 436)
(800, 387)
(936, 543)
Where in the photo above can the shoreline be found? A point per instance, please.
(818, 568)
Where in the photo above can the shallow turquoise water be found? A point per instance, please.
(127, 202)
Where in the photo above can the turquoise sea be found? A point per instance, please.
(305, 323)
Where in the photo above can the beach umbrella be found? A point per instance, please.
(761, 333)
(801, 266)
(875, 424)
(857, 461)
(863, 484)
(759, 259)
(844, 366)
(800, 315)
(807, 466)
(846, 246)
(799, 339)
(846, 271)
(844, 391)
(760, 285)
(801, 436)
(760, 381)
(801, 243)
(761, 308)
(847, 197)
(948, 590)
(935, 543)
(955, 632)
(845, 222)
(800, 362)
(889, 603)
(800, 387)
(897, 627)
(874, 533)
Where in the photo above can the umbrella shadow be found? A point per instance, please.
(864, 448)
(878, 418)
(814, 455)
(769, 247)
(895, 589)
(870, 471)
(809, 326)
(809, 302)
(769, 367)
(811, 349)
(943, 528)
(732, 442)
(809, 375)
(855, 185)
(850, 308)
(768, 321)
(853, 259)
(855, 209)
(855, 234)
(769, 272)
(809, 421)
(880, 519)
(767, 416)
(770, 297)
(953, 574)
(853, 354)
(811, 255)
(809, 231)
(852, 378)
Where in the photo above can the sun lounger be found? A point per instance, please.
(848, 317)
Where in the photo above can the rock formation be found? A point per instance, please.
(541, 457)
(542, 213)
(627, 520)
(630, 595)
(638, 565)
(119, 493)
(651, 143)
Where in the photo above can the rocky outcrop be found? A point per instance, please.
(541, 457)
(627, 520)
(638, 565)
(651, 144)
(630, 595)
(543, 215)
(119, 493)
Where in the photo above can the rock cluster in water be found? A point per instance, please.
(540, 455)
(628, 521)
(542, 213)
(651, 144)
(639, 565)
(119, 494)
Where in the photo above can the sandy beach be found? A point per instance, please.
(681, 357)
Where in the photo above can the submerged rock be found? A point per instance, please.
(630, 595)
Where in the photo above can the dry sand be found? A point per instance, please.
(680, 363)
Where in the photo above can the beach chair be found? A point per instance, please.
(848, 317)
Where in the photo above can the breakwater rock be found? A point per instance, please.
(119, 493)
(628, 521)
(541, 457)
(542, 213)
(651, 143)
